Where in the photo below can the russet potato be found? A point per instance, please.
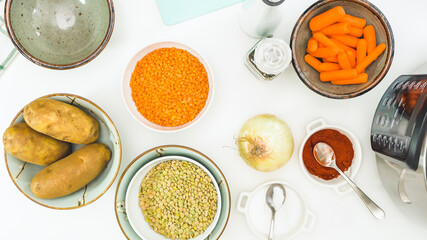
(61, 121)
(24, 143)
(72, 172)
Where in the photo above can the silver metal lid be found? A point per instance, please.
(272, 55)
(273, 2)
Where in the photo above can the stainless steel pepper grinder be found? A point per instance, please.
(260, 18)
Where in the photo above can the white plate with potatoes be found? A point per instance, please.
(62, 151)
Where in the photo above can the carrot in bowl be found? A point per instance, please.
(327, 18)
(348, 40)
(371, 57)
(361, 50)
(361, 78)
(337, 29)
(325, 52)
(353, 21)
(356, 32)
(312, 45)
(323, 39)
(351, 58)
(338, 75)
(342, 46)
(327, 67)
(371, 39)
(312, 61)
(343, 61)
(331, 59)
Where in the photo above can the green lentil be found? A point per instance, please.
(178, 199)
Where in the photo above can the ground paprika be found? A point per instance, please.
(342, 146)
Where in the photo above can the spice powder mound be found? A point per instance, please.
(169, 87)
(342, 147)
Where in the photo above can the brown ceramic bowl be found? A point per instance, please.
(376, 71)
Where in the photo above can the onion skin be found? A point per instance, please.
(265, 142)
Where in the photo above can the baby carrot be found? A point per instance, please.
(356, 32)
(338, 75)
(336, 29)
(331, 59)
(361, 78)
(347, 40)
(327, 67)
(351, 58)
(327, 18)
(371, 39)
(342, 46)
(343, 61)
(370, 58)
(361, 50)
(312, 45)
(322, 39)
(325, 52)
(353, 21)
(312, 61)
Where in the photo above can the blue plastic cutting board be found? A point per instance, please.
(175, 11)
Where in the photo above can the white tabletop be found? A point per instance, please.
(239, 96)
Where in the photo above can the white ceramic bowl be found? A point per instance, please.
(134, 212)
(127, 90)
(22, 173)
(338, 184)
(292, 218)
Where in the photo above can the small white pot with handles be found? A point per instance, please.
(291, 219)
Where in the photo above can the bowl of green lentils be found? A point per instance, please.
(173, 197)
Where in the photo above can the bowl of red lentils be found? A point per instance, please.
(167, 86)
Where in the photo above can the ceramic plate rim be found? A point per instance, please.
(153, 164)
(163, 147)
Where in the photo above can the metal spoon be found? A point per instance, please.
(325, 155)
(269, 198)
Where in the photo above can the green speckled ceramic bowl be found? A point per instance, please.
(22, 173)
(59, 34)
(171, 150)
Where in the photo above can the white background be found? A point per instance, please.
(239, 96)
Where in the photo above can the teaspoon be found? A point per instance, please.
(325, 155)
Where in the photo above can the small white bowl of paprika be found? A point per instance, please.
(167, 86)
(347, 150)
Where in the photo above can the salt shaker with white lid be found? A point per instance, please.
(268, 58)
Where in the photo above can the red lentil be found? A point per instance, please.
(169, 87)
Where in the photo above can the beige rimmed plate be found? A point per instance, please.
(135, 215)
(22, 173)
(171, 150)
